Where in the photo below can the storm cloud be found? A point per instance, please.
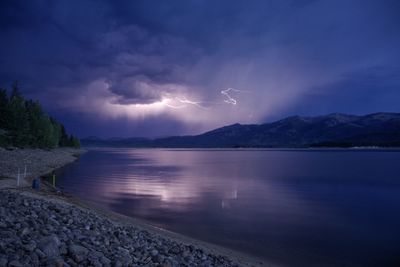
(137, 64)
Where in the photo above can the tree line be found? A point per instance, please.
(24, 124)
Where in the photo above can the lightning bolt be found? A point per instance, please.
(175, 101)
(187, 101)
(175, 107)
(230, 99)
(179, 102)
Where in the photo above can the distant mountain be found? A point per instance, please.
(333, 130)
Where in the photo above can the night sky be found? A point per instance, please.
(157, 68)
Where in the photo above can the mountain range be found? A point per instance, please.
(333, 130)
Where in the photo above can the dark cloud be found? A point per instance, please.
(108, 57)
(135, 90)
(369, 90)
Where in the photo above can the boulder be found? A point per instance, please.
(49, 245)
(78, 253)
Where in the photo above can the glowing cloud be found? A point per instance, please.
(177, 101)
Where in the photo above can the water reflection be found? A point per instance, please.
(286, 206)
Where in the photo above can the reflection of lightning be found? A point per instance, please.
(230, 100)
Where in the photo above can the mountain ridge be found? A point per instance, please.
(332, 130)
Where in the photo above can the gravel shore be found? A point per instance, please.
(38, 232)
(38, 162)
(48, 229)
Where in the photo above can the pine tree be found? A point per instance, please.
(64, 137)
(56, 133)
(15, 92)
(3, 109)
(24, 124)
(35, 114)
(18, 121)
(74, 142)
(3, 118)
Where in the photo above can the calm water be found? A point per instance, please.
(299, 208)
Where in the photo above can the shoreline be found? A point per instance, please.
(38, 163)
(311, 149)
(222, 256)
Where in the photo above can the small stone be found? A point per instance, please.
(30, 246)
(157, 258)
(15, 263)
(105, 261)
(25, 231)
(58, 263)
(35, 259)
(154, 252)
(125, 256)
(40, 253)
(96, 254)
(189, 259)
(63, 249)
(167, 264)
(96, 263)
(3, 262)
(185, 253)
(175, 250)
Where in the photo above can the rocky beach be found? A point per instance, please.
(36, 163)
(45, 228)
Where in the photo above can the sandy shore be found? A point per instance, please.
(158, 247)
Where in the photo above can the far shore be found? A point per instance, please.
(42, 162)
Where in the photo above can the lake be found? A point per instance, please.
(291, 207)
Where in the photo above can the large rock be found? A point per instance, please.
(49, 245)
(78, 253)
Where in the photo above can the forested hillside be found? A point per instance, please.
(24, 124)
